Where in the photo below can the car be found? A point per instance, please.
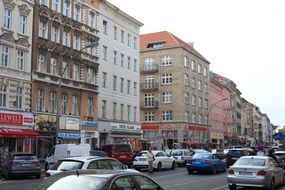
(162, 160)
(99, 180)
(255, 171)
(234, 154)
(121, 152)
(98, 153)
(87, 162)
(181, 155)
(279, 157)
(194, 151)
(205, 162)
(21, 163)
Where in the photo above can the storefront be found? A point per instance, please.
(89, 134)
(196, 136)
(16, 134)
(69, 130)
(151, 137)
(170, 135)
(217, 137)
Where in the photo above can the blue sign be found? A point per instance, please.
(278, 136)
(88, 124)
(69, 135)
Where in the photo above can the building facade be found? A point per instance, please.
(174, 92)
(119, 76)
(265, 128)
(16, 120)
(257, 127)
(65, 66)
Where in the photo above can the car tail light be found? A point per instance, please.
(231, 171)
(261, 173)
(37, 163)
(207, 161)
(47, 174)
(15, 164)
(189, 161)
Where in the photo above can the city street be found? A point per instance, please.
(178, 179)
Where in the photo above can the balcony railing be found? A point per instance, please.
(149, 69)
(149, 86)
(149, 105)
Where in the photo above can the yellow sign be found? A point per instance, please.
(217, 135)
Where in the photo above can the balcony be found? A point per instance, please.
(148, 86)
(149, 69)
(149, 105)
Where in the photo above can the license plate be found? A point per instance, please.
(26, 164)
(122, 156)
(245, 173)
(197, 162)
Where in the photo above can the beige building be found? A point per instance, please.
(174, 92)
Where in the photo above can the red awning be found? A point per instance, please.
(194, 143)
(17, 133)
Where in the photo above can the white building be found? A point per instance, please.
(265, 127)
(118, 110)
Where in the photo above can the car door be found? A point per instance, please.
(219, 163)
(277, 171)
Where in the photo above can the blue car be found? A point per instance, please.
(205, 162)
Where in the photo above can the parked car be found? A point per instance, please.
(205, 162)
(162, 160)
(87, 162)
(255, 171)
(21, 163)
(121, 152)
(99, 180)
(194, 151)
(279, 157)
(181, 155)
(234, 154)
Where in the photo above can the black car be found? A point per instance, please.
(234, 154)
(98, 180)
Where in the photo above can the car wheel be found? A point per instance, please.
(272, 185)
(232, 187)
(173, 165)
(190, 171)
(159, 167)
(214, 171)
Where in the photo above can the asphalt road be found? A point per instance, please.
(177, 179)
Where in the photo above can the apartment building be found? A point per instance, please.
(16, 120)
(174, 92)
(65, 66)
(118, 118)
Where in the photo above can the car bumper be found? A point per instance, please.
(20, 172)
(140, 164)
(205, 168)
(257, 181)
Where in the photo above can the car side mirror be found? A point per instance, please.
(126, 167)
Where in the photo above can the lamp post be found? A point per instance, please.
(91, 45)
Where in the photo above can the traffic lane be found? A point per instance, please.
(20, 183)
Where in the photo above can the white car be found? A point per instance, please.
(86, 162)
(162, 160)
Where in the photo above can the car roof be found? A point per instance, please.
(280, 152)
(258, 157)
(236, 149)
(85, 158)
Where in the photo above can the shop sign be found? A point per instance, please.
(88, 124)
(69, 135)
(45, 118)
(197, 128)
(217, 135)
(16, 119)
(146, 127)
(125, 127)
(89, 134)
(69, 123)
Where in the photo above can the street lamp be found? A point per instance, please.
(91, 45)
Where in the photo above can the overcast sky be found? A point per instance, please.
(243, 39)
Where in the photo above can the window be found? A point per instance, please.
(43, 30)
(114, 82)
(186, 61)
(75, 105)
(115, 54)
(135, 114)
(129, 62)
(64, 103)
(52, 102)
(44, 2)
(166, 60)
(122, 36)
(148, 64)
(41, 63)
(193, 82)
(56, 5)
(90, 107)
(135, 42)
(186, 98)
(53, 63)
(7, 18)
(122, 60)
(200, 101)
(23, 24)
(105, 53)
(91, 20)
(104, 79)
(129, 112)
(75, 72)
(206, 120)
(186, 79)
(122, 111)
(148, 116)
(21, 60)
(200, 118)
(128, 86)
(3, 95)
(64, 70)
(129, 39)
(194, 117)
(205, 87)
(193, 65)
(66, 39)
(77, 42)
(125, 183)
(187, 116)
(167, 78)
(145, 183)
(206, 103)
(5, 56)
(167, 115)
(40, 100)
(193, 100)
(205, 71)
(148, 82)
(77, 13)
(122, 85)
(114, 110)
(199, 85)
(199, 68)
(66, 8)
(149, 100)
(105, 27)
(135, 65)
(19, 98)
(91, 75)
(115, 32)
(135, 88)
(167, 97)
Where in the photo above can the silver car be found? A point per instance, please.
(255, 171)
(181, 155)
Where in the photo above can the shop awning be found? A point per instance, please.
(17, 133)
(194, 143)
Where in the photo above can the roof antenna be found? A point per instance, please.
(77, 173)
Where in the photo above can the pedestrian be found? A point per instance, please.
(150, 159)
(260, 149)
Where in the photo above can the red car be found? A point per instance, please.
(121, 152)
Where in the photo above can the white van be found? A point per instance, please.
(66, 150)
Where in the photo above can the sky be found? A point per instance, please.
(243, 40)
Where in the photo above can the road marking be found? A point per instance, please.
(156, 177)
(219, 187)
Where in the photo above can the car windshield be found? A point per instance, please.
(176, 153)
(78, 182)
(25, 157)
(122, 148)
(250, 162)
(65, 165)
(142, 154)
(279, 154)
(202, 156)
(237, 153)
